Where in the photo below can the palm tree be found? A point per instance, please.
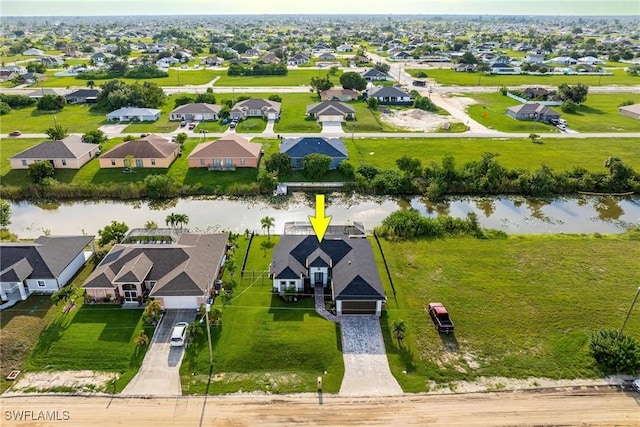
(57, 133)
(91, 84)
(399, 328)
(182, 220)
(171, 220)
(141, 340)
(267, 222)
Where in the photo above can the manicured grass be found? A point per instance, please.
(559, 154)
(293, 78)
(292, 114)
(447, 76)
(93, 337)
(264, 344)
(252, 125)
(162, 125)
(523, 306)
(76, 118)
(599, 113)
(175, 78)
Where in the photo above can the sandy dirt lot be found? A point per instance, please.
(594, 407)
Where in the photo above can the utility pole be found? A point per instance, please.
(207, 308)
(633, 303)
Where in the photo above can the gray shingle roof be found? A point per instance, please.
(330, 107)
(300, 147)
(197, 108)
(387, 92)
(257, 104)
(149, 147)
(56, 150)
(354, 274)
(184, 268)
(47, 256)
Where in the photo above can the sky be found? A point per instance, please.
(396, 7)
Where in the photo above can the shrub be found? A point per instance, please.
(316, 165)
(569, 106)
(615, 354)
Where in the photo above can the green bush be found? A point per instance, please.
(615, 354)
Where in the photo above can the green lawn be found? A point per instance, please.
(252, 125)
(76, 118)
(93, 337)
(162, 125)
(293, 78)
(292, 115)
(523, 306)
(264, 344)
(175, 78)
(599, 113)
(559, 154)
(446, 76)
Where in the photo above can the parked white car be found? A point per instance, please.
(636, 385)
(179, 334)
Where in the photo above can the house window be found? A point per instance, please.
(153, 162)
(42, 284)
(24, 163)
(201, 162)
(64, 162)
(283, 283)
(292, 283)
(216, 162)
(139, 163)
(113, 162)
(242, 162)
(228, 162)
(151, 284)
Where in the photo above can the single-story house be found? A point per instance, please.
(347, 47)
(39, 93)
(134, 114)
(374, 74)
(180, 274)
(532, 111)
(51, 61)
(33, 52)
(345, 266)
(534, 92)
(298, 59)
(632, 111)
(34, 77)
(7, 75)
(152, 151)
(389, 95)
(466, 68)
(44, 265)
(69, 153)
(270, 58)
(213, 61)
(256, 107)
(227, 153)
(196, 111)
(298, 148)
(327, 56)
(331, 111)
(83, 96)
(339, 95)
(19, 69)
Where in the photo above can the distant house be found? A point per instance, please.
(82, 96)
(180, 274)
(213, 61)
(69, 153)
(505, 70)
(44, 265)
(532, 111)
(270, 58)
(298, 59)
(345, 266)
(129, 114)
(256, 107)
(19, 69)
(51, 61)
(331, 111)
(7, 75)
(535, 92)
(252, 52)
(632, 111)
(402, 55)
(152, 151)
(327, 56)
(374, 74)
(33, 52)
(466, 68)
(389, 95)
(347, 47)
(100, 58)
(167, 62)
(39, 93)
(33, 77)
(298, 148)
(590, 60)
(196, 111)
(227, 153)
(339, 95)
(562, 60)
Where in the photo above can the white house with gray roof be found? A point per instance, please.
(134, 114)
(389, 95)
(256, 107)
(44, 265)
(196, 111)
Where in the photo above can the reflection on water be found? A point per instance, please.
(513, 215)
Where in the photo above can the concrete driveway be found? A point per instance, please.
(366, 368)
(332, 127)
(159, 374)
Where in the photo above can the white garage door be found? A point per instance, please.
(180, 302)
(328, 118)
(272, 116)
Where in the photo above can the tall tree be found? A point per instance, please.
(353, 80)
(113, 233)
(321, 84)
(267, 222)
(40, 170)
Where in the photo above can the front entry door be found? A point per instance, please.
(318, 278)
(130, 292)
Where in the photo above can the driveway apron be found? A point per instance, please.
(159, 374)
(332, 127)
(366, 368)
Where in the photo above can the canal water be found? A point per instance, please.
(585, 214)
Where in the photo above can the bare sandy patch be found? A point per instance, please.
(415, 120)
(63, 381)
(459, 102)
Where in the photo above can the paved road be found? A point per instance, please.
(159, 374)
(366, 368)
(593, 408)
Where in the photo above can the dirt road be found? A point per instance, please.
(590, 407)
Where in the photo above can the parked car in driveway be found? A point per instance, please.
(179, 334)
(636, 385)
(192, 126)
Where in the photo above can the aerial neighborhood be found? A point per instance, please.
(279, 204)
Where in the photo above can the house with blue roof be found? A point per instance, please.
(298, 148)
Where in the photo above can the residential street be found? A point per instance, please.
(556, 407)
